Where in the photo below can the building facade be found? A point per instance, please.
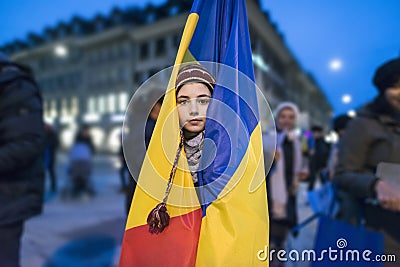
(89, 69)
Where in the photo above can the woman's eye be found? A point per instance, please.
(203, 101)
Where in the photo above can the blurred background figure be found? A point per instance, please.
(373, 137)
(318, 156)
(124, 174)
(282, 180)
(348, 210)
(339, 124)
(21, 157)
(151, 121)
(51, 146)
(148, 131)
(80, 163)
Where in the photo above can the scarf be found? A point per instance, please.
(193, 149)
(279, 190)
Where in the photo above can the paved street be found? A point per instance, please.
(85, 232)
(89, 232)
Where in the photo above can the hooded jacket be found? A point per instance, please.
(21, 144)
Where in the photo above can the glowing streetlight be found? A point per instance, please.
(346, 99)
(335, 64)
(352, 113)
(61, 50)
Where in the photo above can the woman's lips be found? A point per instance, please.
(195, 122)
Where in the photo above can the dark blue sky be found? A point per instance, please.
(360, 33)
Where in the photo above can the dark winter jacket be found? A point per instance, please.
(21, 145)
(371, 138)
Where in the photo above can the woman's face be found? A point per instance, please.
(193, 100)
(286, 119)
(392, 95)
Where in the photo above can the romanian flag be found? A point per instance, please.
(226, 223)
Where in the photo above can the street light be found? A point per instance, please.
(61, 51)
(352, 113)
(346, 99)
(335, 64)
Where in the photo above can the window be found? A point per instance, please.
(111, 103)
(101, 104)
(95, 56)
(113, 76)
(176, 40)
(124, 49)
(144, 51)
(60, 82)
(160, 47)
(115, 51)
(76, 77)
(53, 108)
(74, 106)
(91, 105)
(64, 107)
(123, 101)
(103, 78)
(123, 74)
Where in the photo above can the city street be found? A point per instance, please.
(84, 232)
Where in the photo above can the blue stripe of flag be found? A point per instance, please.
(222, 36)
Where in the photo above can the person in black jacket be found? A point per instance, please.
(51, 145)
(318, 156)
(21, 156)
(371, 139)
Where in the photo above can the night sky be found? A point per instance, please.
(360, 34)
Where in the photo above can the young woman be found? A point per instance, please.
(282, 180)
(194, 88)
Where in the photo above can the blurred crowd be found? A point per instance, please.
(363, 165)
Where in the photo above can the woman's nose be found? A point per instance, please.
(194, 110)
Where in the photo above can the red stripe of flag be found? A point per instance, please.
(179, 242)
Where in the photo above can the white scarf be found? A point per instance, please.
(279, 192)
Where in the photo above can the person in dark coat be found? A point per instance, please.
(339, 124)
(51, 145)
(318, 156)
(373, 137)
(21, 156)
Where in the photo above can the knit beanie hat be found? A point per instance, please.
(194, 73)
(387, 75)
